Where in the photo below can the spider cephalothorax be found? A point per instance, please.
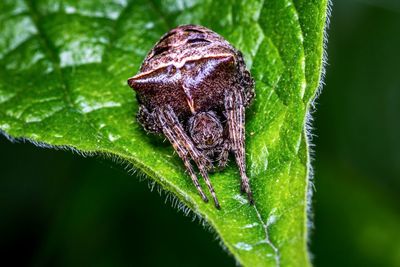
(193, 87)
(206, 130)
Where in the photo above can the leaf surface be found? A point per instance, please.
(63, 72)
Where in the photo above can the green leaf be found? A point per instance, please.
(63, 72)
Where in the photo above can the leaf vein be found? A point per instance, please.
(267, 240)
(51, 53)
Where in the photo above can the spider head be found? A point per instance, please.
(206, 130)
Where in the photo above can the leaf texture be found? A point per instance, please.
(63, 72)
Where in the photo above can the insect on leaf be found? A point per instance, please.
(63, 72)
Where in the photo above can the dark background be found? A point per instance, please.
(60, 209)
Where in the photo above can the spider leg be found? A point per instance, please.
(234, 106)
(182, 140)
(146, 119)
(182, 152)
(224, 155)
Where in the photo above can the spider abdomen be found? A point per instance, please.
(189, 69)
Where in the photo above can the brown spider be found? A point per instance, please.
(194, 87)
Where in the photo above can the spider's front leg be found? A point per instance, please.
(146, 119)
(223, 156)
(185, 148)
(219, 156)
(234, 106)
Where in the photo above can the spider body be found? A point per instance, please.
(193, 87)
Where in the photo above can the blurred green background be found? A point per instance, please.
(60, 209)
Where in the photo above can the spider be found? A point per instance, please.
(193, 87)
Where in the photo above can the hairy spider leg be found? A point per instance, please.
(236, 120)
(179, 139)
(224, 155)
(146, 119)
(182, 153)
(202, 162)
